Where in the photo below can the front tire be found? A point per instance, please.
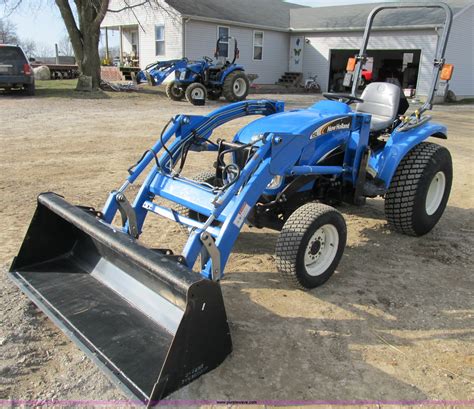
(310, 245)
(174, 92)
(419, 191)
(196, 93)
(236, 86)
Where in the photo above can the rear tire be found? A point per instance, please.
(174, 92)
(310, 245)
(196, 94)
(30, 89)
(236, 86)
(419, 190)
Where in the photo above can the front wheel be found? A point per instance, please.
(310, 245)
(419, 191)
(174, 92)
(236, 86)
(196, 94)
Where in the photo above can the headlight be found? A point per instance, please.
(275, 183)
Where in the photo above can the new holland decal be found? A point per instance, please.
(339, 124)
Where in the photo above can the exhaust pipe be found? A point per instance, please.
(149, 322)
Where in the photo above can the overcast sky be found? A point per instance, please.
(45, 26)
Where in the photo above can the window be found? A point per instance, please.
(160, 40)
(224, 45)
(258, 45)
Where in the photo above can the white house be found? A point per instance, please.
(277, 37)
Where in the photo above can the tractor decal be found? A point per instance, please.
(336, 125)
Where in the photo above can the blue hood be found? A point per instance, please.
(302, 122)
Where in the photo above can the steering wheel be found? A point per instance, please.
(208, 59)
(346, 98)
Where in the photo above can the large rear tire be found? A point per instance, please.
(236, 86)
(419, 191)
(310, 245)
(174, 92)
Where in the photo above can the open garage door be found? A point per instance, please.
(402, 65)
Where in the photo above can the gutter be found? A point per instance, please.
(361, 29)
(233, 23)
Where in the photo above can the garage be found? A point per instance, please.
(402, 65)
(403, 45)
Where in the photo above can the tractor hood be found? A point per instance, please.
(195, 67)
(302, 122)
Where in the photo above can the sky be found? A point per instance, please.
(43, 23)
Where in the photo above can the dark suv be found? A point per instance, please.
(15, 70)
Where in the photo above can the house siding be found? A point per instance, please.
(149, 16)
(460, 52)
(317, 52)
(201, 40)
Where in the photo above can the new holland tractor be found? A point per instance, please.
(154, 320)
(208, 79)
(202, 79)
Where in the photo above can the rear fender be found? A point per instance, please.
(231, 69)
(385, 161)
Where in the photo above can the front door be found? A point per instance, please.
(296, 53)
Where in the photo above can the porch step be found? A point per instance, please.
(290, 79)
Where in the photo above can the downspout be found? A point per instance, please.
(183, 37)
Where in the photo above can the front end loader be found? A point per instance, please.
(155, 321)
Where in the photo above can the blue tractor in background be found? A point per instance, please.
(208, 79)
(202, 79)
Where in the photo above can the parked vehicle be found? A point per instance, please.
(15, 70)
(152, 323)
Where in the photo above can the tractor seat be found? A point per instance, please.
(381, 100)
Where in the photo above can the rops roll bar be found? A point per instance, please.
(439, 59)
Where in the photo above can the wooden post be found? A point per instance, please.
(107, 55)
(121, 45)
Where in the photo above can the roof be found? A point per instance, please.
(352, 17)
(268, 13)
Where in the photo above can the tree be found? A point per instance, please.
(8, 33)
(82, 19)
(29, 47)
(65, 46)
(84, 33)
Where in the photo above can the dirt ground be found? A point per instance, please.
(395, 323)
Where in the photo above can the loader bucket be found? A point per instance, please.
(149, 322)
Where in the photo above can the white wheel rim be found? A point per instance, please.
(197, 93)
(321, 250)
(435, 193)
(240, 86)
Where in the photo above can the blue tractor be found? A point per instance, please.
(208, 79)
(155, 320)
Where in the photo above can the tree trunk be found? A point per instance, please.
(90, 63)
(85, 38)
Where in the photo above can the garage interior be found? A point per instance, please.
(400, 64)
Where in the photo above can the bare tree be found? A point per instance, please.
(29, 47)
(65, 46)
(8, 33)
